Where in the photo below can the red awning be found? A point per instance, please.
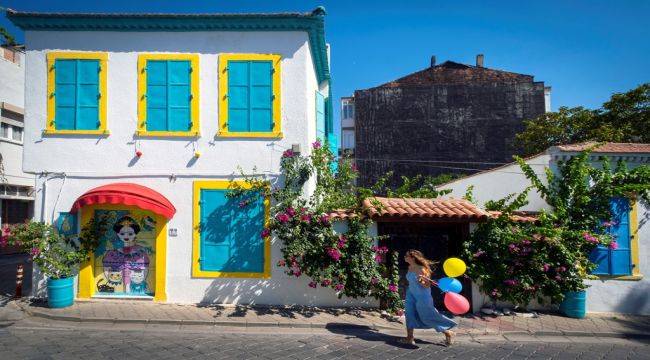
(127, 194)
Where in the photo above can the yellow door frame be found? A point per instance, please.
(87, 272)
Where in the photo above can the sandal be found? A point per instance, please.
(406, 341)
(449, 337)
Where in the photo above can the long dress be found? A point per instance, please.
(420, 312)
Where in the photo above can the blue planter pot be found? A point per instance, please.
(60, 292)
(574, 304)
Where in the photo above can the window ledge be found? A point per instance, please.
(261, 135)
(77, 132)
(207, 274)
(11, 141)
(637, 277)
(186, 134)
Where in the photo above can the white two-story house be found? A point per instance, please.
(145, 120)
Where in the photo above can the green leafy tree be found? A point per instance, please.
(8, 38)
(625, 117)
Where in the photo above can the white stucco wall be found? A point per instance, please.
(500, 182)
(91, 161)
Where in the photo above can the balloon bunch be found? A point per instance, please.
(455, 303)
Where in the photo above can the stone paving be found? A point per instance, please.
(117, 311)
(38, 343)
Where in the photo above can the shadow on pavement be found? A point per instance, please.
(368, 334)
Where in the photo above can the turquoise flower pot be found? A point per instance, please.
(574, 304)
(60, 292)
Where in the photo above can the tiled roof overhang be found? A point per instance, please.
(420, 209)
(312, 22)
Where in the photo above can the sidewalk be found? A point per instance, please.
(140, 312)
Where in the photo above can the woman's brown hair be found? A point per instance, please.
(426, 264)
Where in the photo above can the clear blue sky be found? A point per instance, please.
(585, 50)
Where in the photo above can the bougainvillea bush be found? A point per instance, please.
(520, 261)
(349, 264)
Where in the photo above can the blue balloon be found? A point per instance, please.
(448, 284)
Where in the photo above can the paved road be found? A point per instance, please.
(29, 342)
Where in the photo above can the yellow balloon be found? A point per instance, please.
(454, 267)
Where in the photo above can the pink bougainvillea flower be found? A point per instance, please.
(561, 269)
(339, 287)
(399, 312)
(613, 245)
(495, 293)
(392, 288)
(326, 282)
(282, 263)
(316, 144)
(265, 233)
(374, 248)
(383, 250)
(558, 277)
(378, 258)
(374, 281)
(512, 248)
(609, 223)
(34, 252)
(334, 253)
(324, 219)
(288, 153)
(312, 285)
(479, 253)
(297, 273)
(511, 282)
(354, 167)
(305, 218)
(546, 267)
(282, 217)
(290, 211)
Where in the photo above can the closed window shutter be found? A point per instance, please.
(320, 116)
(250, 96)
(600, 257)
(621, 263)
(230, 234)
(168, 95)
(76, 94)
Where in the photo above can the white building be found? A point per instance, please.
(622, 286)
(347, 125)
(145, 120)
(16, 187)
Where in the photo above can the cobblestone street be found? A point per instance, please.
(34, 342)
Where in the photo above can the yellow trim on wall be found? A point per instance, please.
(196, 234)
(86, 286)
(50, 126)
(276, 117)
(142, 91)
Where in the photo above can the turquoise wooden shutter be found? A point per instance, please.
(215, 230)
(238, 97)
(320, 116)
(179, 95)
(230, 234)
(156, 95)
(621, 262)
(169, 95)
(87, 95)
(600, 257)
(65, 94)
(261, 96)
(250, 96)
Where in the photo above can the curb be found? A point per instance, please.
(226, 323)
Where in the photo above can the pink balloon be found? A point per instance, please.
(456, 303)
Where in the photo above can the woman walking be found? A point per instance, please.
(420, 312)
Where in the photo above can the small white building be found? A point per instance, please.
(347, 125)
(146, 119)
(623, 286)
(16, 186)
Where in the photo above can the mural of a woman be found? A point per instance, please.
(129, 258)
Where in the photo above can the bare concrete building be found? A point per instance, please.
(447, 118)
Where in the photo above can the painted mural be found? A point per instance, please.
(124, 258)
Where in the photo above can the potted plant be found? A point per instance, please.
(57, 256)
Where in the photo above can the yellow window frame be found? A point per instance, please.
(142, 98)
(50, 126)
(276, 117)
(196, 234)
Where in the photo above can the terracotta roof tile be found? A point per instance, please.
(423, 208)
(606, 147)
(341, 214)
(518, 216)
